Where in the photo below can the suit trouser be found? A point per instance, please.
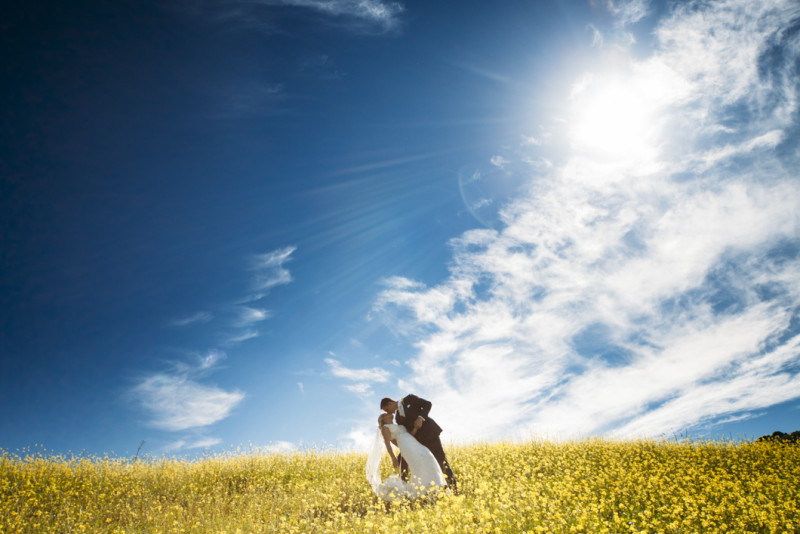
(435, 446)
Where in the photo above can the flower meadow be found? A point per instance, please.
(590, 486)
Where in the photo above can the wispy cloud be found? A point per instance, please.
(628, 11)
(597, 36)
(178, 399)
(374, 374)
(499, 161)
(361, 379)
(209, 361)
(482, 71)
(243, 336)
(531, 141)
(381, 14)
(175, 400)
(204, 442)
(270, 270)
(199, 443)
(648, 283)
(199, 317)
(248, 316)
(359, 16)
(279, 447)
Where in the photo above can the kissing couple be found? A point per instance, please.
(421, 462)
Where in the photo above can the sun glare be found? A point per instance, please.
(613, 119)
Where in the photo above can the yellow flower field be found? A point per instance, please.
(591, 486)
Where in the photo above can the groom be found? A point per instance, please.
(412, 412)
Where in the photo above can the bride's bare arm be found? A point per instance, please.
(387, 437)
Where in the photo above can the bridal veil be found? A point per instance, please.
(374, 462)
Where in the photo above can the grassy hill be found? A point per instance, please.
(592, 486)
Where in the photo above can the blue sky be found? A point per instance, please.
(235, 223)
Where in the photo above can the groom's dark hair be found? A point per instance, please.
(385, 401)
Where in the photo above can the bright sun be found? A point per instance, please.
(612, 119)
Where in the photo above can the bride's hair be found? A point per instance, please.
(380, 419)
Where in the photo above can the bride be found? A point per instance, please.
(425, 473)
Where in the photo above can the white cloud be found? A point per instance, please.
(243, 336)
(179, 403)
(360, 437)
(528, 140)
(248, 316)
(378, 11)
(628, 11)
(597, 36)
(176, 400)
(204, 443)
(360, 389)
(376, 374)
(269, 268)
(269, 272)
(211, 360)
(716, 155)
(633, 292)
(199, 317)
(279, 447)
(363, 378)
(198, 443)
(499, 161)
(363, 16)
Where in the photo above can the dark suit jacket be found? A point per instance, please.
(413, 407)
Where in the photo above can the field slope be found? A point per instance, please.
(591, 486)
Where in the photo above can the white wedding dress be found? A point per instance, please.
(424, 471)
